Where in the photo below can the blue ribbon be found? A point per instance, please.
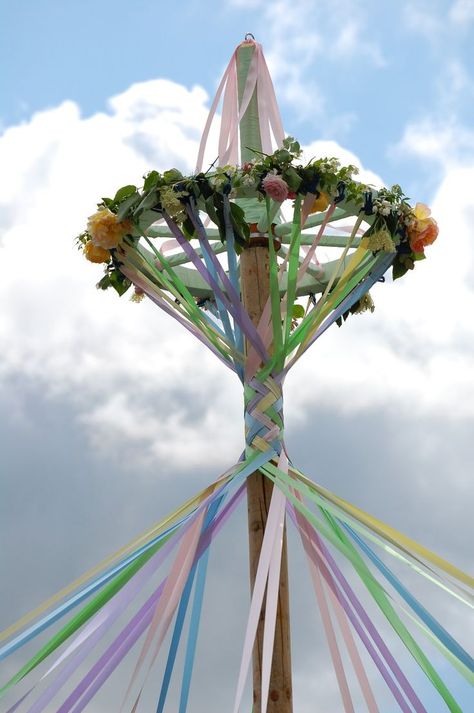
(435, 627)
(181, 613)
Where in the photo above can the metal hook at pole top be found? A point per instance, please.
(249, 36)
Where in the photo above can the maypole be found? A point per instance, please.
(255, 286)
(213, 251)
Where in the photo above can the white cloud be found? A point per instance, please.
(138, 380)
(346, 157)
(446, 143)
(462, 12)
(296, 34)
(415, 354)
(420, 19)
(110, 357)
(438, 27)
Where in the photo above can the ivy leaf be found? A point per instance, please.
(123, 193)
(108, 202)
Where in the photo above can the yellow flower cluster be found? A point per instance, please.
(366, 304)
(106, 230)
(94, 253)
(172, 204)
(381, 240)
(321, 203)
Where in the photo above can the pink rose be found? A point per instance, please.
(275, 187)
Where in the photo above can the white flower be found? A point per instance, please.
(248, 181)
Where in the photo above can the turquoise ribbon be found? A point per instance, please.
(444, 636)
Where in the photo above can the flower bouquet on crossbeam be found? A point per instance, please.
(194, 245)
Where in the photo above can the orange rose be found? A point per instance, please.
(94, 253)
(105, 230)
(320, 204)
(423, 230)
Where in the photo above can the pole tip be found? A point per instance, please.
(249, 37)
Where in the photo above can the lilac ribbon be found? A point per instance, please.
(232, 303)
(352, 597)
(114, 654)
(134, 277)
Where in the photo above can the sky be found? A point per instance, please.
(111, 416)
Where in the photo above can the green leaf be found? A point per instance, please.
(211, 210)
(204, 185)
(218, 200)
(399, 268)
(188, 228)
(298, 311)
(172, 176)
(237, 212)
(119, 282)
(104, 283)
(239, 225)
(418, 256)
(151, 180)
(108, 202)
(149, 201)
(282, 156)
(127, 204)
(123, 193)
(293, 179)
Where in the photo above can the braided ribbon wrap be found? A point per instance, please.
(263, 415)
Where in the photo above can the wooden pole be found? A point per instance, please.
(255, 285)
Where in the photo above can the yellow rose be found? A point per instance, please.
(105, 230)
(94, 253)
(423, 229)
(320, 204)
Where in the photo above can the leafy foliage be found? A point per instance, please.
(387, 210)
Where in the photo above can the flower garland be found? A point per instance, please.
(396, 227)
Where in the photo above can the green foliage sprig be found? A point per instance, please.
(393, 222)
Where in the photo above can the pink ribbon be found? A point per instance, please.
(268, 569)
(259, 80)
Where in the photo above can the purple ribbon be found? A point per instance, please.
(122, 644)
(344, 585)
(233, 305)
